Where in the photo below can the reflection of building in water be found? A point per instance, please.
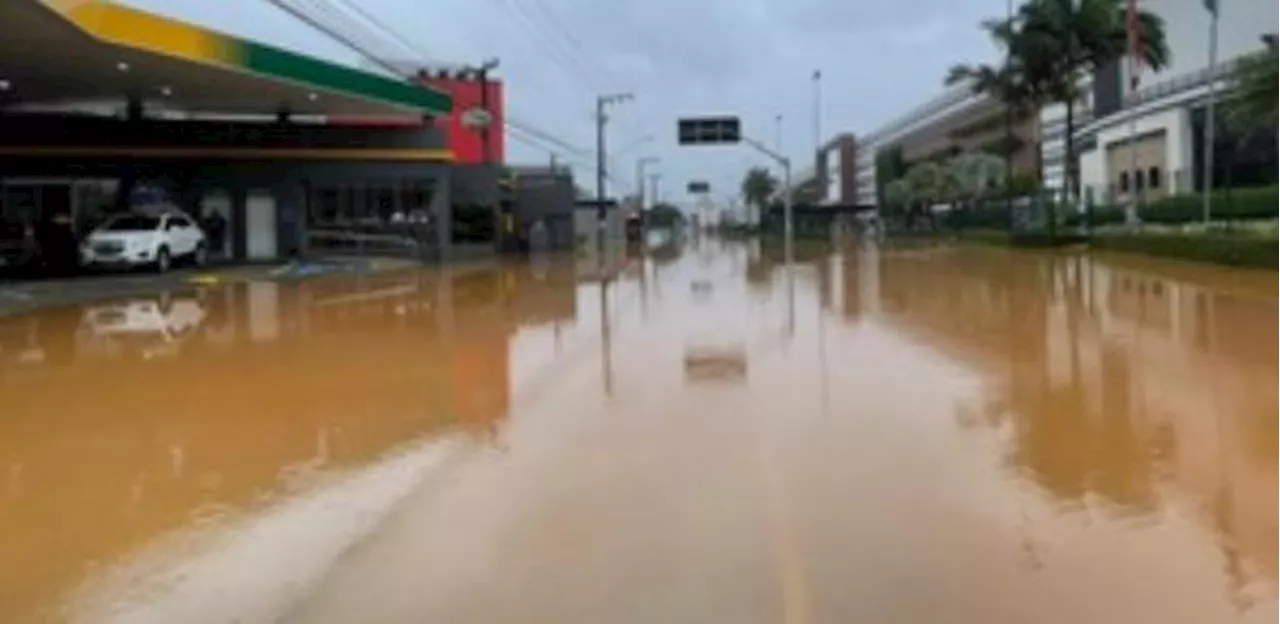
(275, 388)
(1115, 384)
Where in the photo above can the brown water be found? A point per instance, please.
(959, 435)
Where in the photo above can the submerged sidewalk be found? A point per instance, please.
(20, 295)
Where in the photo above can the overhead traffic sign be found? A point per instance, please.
(709, 131)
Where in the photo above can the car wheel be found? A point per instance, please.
(162, 260)
(201, 255)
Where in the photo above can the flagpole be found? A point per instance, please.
(1131, 212)
(1210, 122)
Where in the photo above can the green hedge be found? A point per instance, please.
(1248, 251)
(1228, 205)
(1020, 239)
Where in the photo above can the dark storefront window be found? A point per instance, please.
(382, 216)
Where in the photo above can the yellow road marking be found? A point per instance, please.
(205, 280)
(796, 595)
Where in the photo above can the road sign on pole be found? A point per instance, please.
(698, 187)
(709, 130)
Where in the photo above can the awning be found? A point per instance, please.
(58, 51)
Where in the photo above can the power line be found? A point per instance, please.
(359, 42)
(562, 58)
(565, 33)
(381, 25)
(335, 32)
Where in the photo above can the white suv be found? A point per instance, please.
(154, 238)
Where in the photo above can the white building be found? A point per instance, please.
(1165, 114)
(954, 99)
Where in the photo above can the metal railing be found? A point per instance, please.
(348, 242)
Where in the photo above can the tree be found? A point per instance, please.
(1059, 42)
(1255, 96)
(1251, 97)
(914, 194)
(976, 175)
(889, 166)
(664, 215)
(808, 193)
(758, 185)
(1013, 82)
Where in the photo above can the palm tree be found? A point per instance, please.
(1021, 83)
(758, 185)
(1061, 41)
(1251, 98)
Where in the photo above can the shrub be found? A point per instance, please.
(1228, 205)
(1251, 251)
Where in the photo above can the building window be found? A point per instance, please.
(1137, 180)
(1124, 181)
(1153, 178)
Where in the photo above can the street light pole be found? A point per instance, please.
(602, 102)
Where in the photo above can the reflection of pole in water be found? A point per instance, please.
(791, 300)
(822, 352)
(644, 284)
(606, 351)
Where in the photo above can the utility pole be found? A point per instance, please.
(820, 176)
(602, 102)
(1209, 121)
(777, 133)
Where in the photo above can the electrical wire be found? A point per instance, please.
(328, 19)
(564, 60)
(376, 22)
(566, 34)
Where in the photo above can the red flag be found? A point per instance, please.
(1134, 28)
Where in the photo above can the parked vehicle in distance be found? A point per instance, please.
(145, 237)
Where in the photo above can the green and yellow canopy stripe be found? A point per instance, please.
(232, 153)
(132, 28)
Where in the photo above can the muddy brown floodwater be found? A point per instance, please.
(929, 435)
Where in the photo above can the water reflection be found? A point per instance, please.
(125, 420)
(1118, 388)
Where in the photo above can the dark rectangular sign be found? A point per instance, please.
(698, 186)
(709, 131)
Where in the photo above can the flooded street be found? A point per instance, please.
(929, 435)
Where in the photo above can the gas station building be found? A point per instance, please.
(101, 103)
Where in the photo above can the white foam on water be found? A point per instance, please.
(253, 569)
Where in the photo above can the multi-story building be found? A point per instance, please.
(956, 121)
(1151, 140)
(837, 160)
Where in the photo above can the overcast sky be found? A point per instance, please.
(753, 58)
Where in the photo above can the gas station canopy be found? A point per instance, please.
(55, 52)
